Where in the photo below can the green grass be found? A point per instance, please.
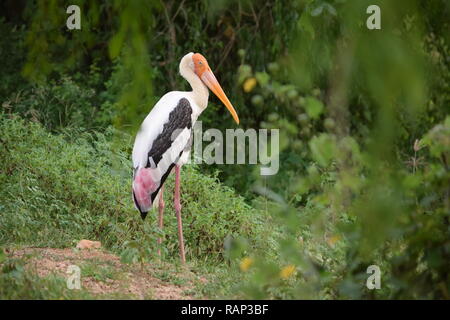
(100, 271)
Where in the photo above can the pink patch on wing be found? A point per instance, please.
(143, 187)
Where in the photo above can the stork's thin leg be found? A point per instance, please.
(161, 206)
(178, 211)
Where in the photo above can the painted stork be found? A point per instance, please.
(165, 138)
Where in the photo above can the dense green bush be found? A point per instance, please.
(394, 216)
(57, 105)
(58, 189)
(12, 53)
(363, 188)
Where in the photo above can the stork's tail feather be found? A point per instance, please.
(143, 186)
(143, 215)
(136, 203)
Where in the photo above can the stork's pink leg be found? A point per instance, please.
(178, 211)
(161, 206)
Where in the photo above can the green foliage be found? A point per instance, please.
(368, 188)
(364, 129)
(358, 215)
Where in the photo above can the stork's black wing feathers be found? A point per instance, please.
(179, 119)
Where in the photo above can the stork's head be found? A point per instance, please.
(200, 66)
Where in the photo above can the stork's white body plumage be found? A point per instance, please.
(165, 137)
(153, 126)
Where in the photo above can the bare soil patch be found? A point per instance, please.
(104, 275)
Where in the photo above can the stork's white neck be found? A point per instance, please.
(200, 92)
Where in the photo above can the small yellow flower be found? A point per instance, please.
(249, 84)
(246, 263)
(287, 271)
(333, 239)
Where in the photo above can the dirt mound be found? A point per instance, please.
(103, 274)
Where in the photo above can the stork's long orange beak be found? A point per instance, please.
(211, 82)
